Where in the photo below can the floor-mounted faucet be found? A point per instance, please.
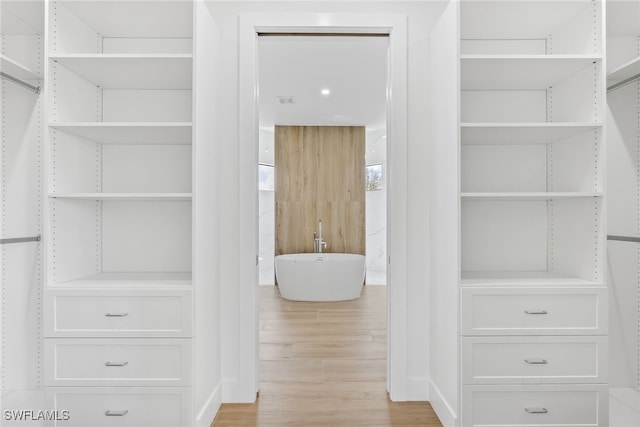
(318, 242)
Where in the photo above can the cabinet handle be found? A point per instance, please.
(116, 364)
(536, 312)
(111, 413)
(536, 361)
(116, 314)
(536, 410)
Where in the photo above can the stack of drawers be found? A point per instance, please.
(119, 356)
(534, 356)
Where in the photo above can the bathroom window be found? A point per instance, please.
(373, 177)
(266, 177)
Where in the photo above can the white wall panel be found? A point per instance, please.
(504, 236)
(509, 168)
(72, 98)
(75, 164)
(146, 168)
(68, 33)
(146, 105)
(146, 236)
(513, 106)
(74, 245)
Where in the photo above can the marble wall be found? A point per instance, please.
(376, 213)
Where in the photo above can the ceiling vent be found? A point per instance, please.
(285, 100)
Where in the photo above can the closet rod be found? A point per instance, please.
(623, 83)
(20, 240)
(19, 82)
(624, 238)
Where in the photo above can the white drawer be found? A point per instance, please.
(118, 313)
(117, 362)
(534, 311)
(534, 360)
(550, 405)
(130, 406)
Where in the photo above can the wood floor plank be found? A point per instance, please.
(324, 364)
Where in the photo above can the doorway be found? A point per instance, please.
(246, 384)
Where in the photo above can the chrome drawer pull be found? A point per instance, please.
(536, 361)
(536, 410)
(536, 312)
(116, 314)
(116, 364)
(111, 413)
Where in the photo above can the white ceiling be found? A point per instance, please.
(354, 69)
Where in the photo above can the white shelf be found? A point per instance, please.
(129, 280)
(17, 70)
(522, 133)
(178, 197)
(525, 196)
(131, 71)
(129, 133)
(521, 278)
(523, 72)
(626, 71)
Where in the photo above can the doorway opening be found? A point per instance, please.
(314, 353)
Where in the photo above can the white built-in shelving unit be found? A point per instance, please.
(21, 207)
(532, 285)
(118, 299)
(623, 205)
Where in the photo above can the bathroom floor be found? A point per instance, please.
(324, 364)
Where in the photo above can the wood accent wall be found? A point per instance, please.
(320, 175)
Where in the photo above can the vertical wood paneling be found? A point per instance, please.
(320, 175)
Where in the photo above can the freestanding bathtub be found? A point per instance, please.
(320, 276)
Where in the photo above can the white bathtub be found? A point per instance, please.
(320, 277)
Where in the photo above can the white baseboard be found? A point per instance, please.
(443, 409)
(209, 410)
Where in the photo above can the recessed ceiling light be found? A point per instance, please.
(325, 92)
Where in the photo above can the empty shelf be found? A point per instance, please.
(523, 72)
(132, 279)
(131, 71)
(129, 133)
(17, 70)
(489, 196)
(529, 278)
(624, 73)
(522, 133)
(125, 196)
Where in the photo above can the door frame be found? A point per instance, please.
(247, 318)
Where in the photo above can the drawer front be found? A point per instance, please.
(534, 311)
(566, 405)
(117, 362)
(131, 406)
(534, 360)
(118, 313)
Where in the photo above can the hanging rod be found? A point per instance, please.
(20, 240)
(19, 82)
(623, 83)
(624, 238)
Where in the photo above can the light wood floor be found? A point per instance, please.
(324, 364)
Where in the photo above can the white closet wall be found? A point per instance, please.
(21, 118)
(533, 305)
(623, 188)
